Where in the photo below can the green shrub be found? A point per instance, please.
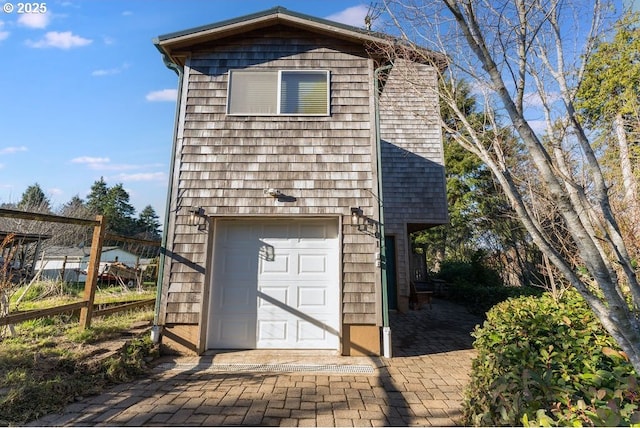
(542, 363)
(479, 300)
(473, 272)
(478, 287)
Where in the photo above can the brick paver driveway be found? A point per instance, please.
(422, 385)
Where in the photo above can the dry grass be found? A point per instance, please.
(51, 362)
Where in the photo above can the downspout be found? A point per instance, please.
(156, 330)
(386, 329)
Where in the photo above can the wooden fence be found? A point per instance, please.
(86, 306)
(72, 307)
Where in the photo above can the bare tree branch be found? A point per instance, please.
(508, 49)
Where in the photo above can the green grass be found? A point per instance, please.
(48, 364)
(47, 294)
(108, 327)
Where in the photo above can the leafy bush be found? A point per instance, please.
(478, 287)
(542, 363)
(479, 300)
(473, 272)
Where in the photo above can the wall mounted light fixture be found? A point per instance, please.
(274, 193)
(196, 214)
(363, 223)
(357, 217)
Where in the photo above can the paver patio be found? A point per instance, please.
(422, 385)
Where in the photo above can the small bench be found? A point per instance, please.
(421, 292)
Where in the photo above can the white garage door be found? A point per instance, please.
(275, 285)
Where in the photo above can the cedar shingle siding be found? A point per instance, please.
(413, 183)
(323, 165)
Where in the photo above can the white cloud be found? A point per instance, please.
(532, 99)
(538, 126)
(11, 150)
(163, 95)
(60, 40)
(1, 165)
(34, 20)
(54, 191)
(90, 160)
(3, 34)
(104, 164)
(127, 13)
(143, 176)
(110, 71)
(351, 16)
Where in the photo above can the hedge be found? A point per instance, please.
(478, 287)
(547, 363)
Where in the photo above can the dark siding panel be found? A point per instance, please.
(412, 156)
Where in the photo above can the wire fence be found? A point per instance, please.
(43, 255)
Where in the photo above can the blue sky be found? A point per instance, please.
(84, 92)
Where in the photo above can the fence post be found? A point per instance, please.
(99, 232)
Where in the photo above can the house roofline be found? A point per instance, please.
(273, 13)
(175, 47)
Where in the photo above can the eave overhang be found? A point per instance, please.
(176, 47)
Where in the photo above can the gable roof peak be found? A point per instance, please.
(175, 47)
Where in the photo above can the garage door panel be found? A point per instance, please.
(236, 298)
(280, 264)
(273, 330)
(238, 232)
(318, 231)
(241, 264)
(312, 264)
(277, 232)
(312, 298)
(290, 334)
(280, 275)
(271, 297)
(311, 332)
(235, 332)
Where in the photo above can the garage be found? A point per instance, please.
(275, 285)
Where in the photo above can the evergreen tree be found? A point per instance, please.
(148, 224)
(34, 199)
(481, 221)
(97, 199)
(113, 203)
(609, 101)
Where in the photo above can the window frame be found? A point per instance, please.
(278, 109)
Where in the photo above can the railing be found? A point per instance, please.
(72, 307)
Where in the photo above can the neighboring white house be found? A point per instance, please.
(70, 263)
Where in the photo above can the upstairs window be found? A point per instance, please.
(285, 92)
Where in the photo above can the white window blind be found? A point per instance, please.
(288, 92)
(253, 92)
(304, 92)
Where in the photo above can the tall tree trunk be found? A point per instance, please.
(629, 183)
(581, 220)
